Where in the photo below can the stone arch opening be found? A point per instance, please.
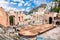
(50, 20)
(11, 20)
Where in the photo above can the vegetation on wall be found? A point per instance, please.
(11, 20)
(27, 19)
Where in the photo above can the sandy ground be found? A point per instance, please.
(53, 33)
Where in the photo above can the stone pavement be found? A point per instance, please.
(53, 33)
(5, 37)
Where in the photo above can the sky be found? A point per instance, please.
(21, 5)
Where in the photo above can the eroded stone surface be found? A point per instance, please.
(54, 34)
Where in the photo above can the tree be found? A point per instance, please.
(55, 0)
(56, 9)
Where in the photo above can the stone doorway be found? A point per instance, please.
(11, 20)
(50, 20)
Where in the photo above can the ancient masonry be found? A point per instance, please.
(14, 18)
(10, 18)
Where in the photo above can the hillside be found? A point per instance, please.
(56, 9)
(36, 9)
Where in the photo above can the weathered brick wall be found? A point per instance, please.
(3, 17)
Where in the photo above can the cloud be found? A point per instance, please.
(13, 3)
(17, 0)
(15, 9)
(28, 9)
(4, 4)
(30, 0)
(20, 4)
(38, 2)
(27, 4)
(11, 8)
(21, 1)
(22, 9)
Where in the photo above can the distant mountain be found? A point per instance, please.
(36, 9)
(42, 5)
(25, 12)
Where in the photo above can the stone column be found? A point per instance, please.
(8, 21)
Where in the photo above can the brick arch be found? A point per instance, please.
(12, 20)
(50, 20)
